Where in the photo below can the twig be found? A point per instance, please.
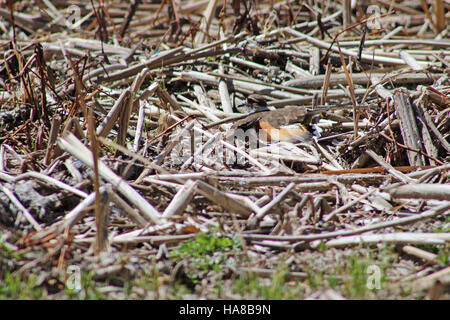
(404, 237)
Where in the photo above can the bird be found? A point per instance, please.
(289, 124)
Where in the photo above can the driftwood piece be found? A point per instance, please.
(362, 79)
(181, 200)
(411, 238)
(233, 203)
(422, 191)
(425, 255)
(110, 120)
(408, 126)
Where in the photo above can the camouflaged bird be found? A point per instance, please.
(286, 124)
